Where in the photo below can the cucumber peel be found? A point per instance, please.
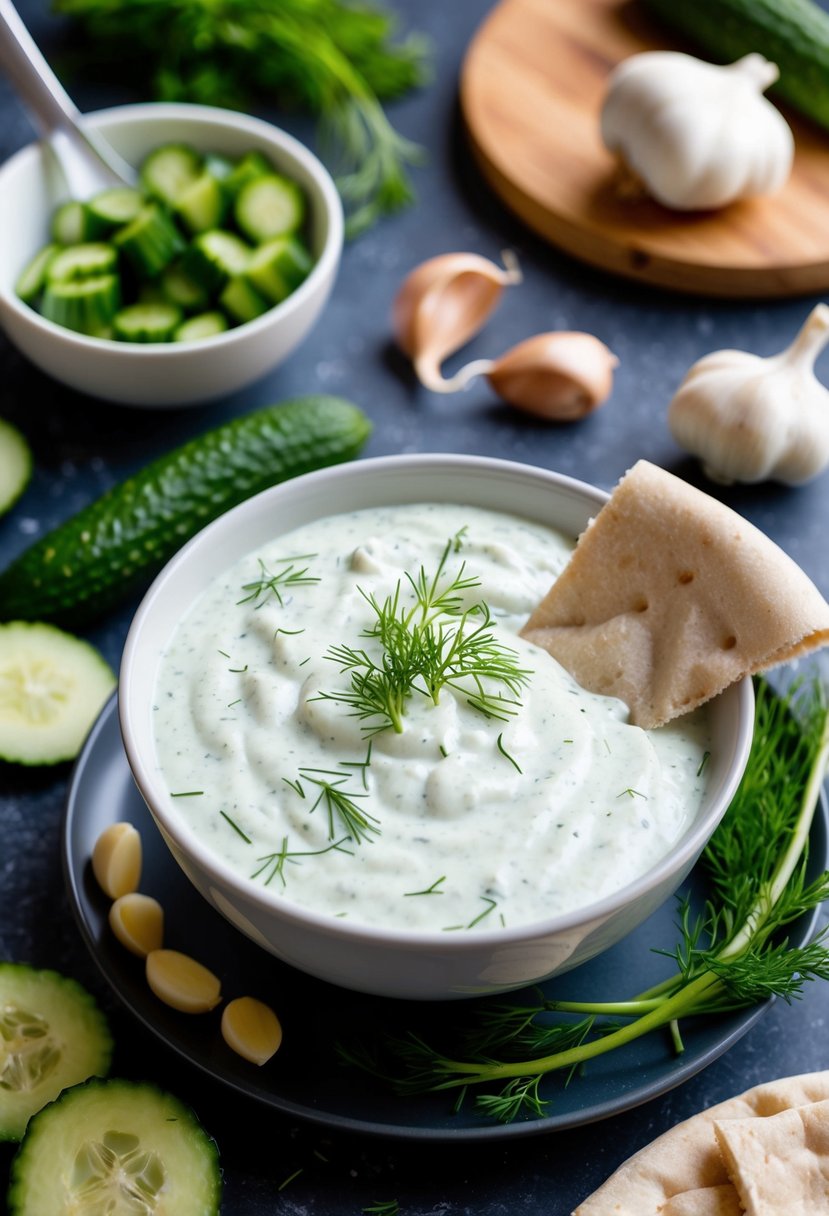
(116, 1147)
(116, 544)
(52, 1035)
(15, 465)
(52, 688)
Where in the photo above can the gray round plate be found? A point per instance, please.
(305, 1079)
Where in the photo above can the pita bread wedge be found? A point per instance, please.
(670, 596)
(779, 1165)
(687, 1157)
(707, 1201)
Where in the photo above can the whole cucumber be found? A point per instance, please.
(794, 34)
(113, 547)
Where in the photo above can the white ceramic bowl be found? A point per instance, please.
(164, 374)
(384, 961)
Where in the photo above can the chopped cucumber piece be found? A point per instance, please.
(119, 1148)
(150, 242)
(242, 301)
(115, 207)
(202, 204)
(179, 287)
(269, 206)
(52, 688)
(82, 262)
(278, 267)
(85, 305)
(52, 1035)
(205, 325)
(33, 275)
(73, 223)
(169, 170)
(15, 465)
(251, 165)
(218, 166)
(147, 322)
(216, 256)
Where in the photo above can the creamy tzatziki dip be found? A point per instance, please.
(349, 718)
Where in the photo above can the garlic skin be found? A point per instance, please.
(752, 419)
(443, 303)
(561, 376)
(699, 136)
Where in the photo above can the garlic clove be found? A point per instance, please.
(181, 982)
(750, 419)
(116, 859)
(561, 376)
(137, 921)
(251, 1029)
(443, 303)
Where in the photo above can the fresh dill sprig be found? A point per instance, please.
(430, 890)
(275, 582)
(732, 955)
(383, 1207)
(339, 803)
(274, 863)
(426, 645)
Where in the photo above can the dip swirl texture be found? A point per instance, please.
(458, 821)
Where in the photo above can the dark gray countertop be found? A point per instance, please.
(82, 447)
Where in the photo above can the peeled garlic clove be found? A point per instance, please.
(251, 1029)
(137, 921)
(562, 375)
(442, 304)
(116, 860)
(181, 982)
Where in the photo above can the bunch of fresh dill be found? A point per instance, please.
(734, 954)
(334, 58)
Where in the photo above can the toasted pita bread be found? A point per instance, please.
(779, 1165)
(687, 1158)
(708, 1201)
(670, 596)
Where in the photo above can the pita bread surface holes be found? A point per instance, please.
(670, 597)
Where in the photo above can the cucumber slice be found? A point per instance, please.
(251, 166)
(179, 287)
(82, 262)
(278, 267)
(116, 544)
(205, 325)
(269, 206)
(15, 465)
(52, 688)
(216, 256)
(218, 166)
(72, 223)
(242, 301)
(150, 242)
(119, 1148)
(147, 322)
(169, 170)
(115, 207)
(86, 305)
(33, 275)
(201, 205)
(52, 1034)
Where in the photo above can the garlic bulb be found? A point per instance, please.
(561, 376)
(442, 304)
(698, 135)
(750, 419)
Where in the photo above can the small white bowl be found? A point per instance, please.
(164, 374)
(387, 962)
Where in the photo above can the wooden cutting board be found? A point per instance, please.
(531, 91)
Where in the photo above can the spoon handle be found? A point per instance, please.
(89, 164)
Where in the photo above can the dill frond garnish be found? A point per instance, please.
(274, 583)
(273, 864)
(339, 803)
(424, 643)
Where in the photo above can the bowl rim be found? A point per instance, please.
(137, 112)
(681, 855)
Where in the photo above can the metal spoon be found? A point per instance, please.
(86, 160)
